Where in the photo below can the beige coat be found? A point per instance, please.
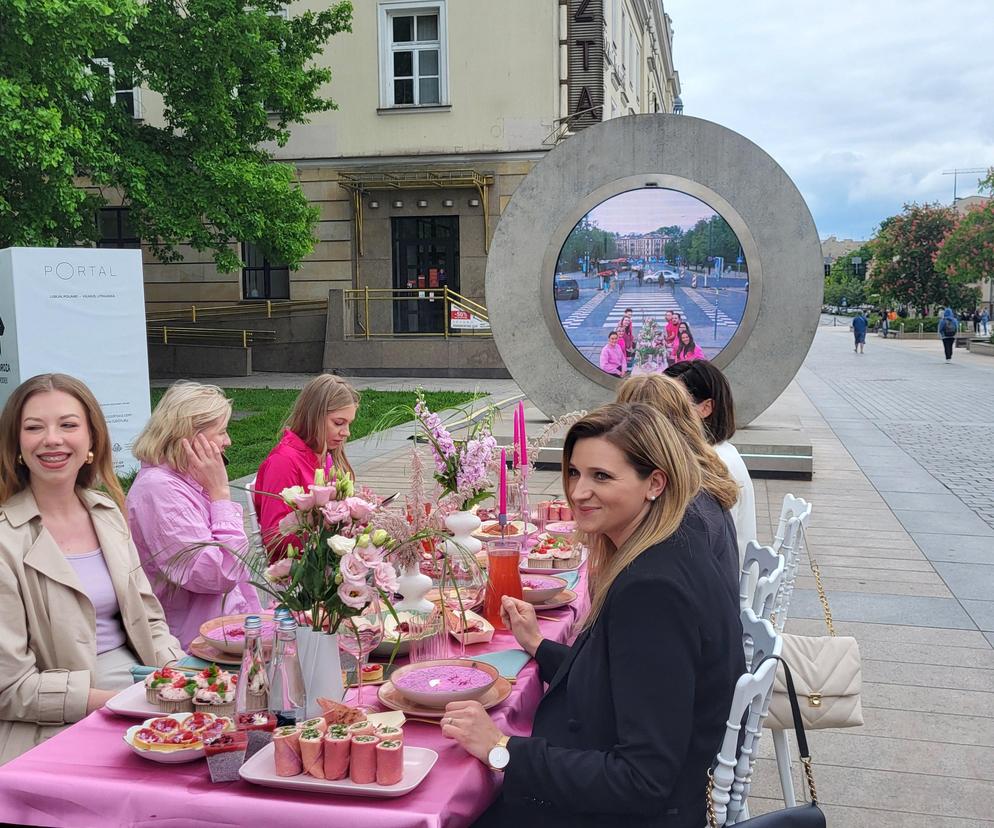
(48, 639)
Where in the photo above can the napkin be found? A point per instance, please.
(507, 662)
(139, 671)
(569, 577)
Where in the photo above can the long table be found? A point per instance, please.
(87, 776)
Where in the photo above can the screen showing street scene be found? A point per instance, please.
(650, 277)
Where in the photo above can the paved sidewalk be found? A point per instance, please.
(908, 562)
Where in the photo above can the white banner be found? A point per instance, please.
(79, 311)
(460, 319)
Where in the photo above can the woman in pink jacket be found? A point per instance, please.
(190, 535)
(686, 349)
(613, 360)
(317, 426)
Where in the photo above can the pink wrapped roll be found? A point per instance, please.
(286, 751)
(389, 762)
(311, 752)
(317, 723)
(388, 733)
(362, 759)
(361, 729)
(336, 753)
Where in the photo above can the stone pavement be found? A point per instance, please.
(901, 528)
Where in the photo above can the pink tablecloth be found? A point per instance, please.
(87, 776)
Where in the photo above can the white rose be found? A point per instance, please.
(340, 545)
(289, 493)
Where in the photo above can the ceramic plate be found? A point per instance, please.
(165, 757)
(531, 570)
(261, 770)
(201, 649)
(131, 702)
(538, 589)
(560, 527)
(391, 697)
(513, 530)
(567, 596)
(213, 633)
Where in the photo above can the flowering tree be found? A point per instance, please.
(967, 252)
(904, 254)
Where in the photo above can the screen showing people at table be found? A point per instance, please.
(662, 269)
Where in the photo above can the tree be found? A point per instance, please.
(904, 252)
(232, 77)
(967, 252)
(586, 239)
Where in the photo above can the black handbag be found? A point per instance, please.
(801, 816)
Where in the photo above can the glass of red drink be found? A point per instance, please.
(504, 577)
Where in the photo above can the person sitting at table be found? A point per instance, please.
(636, 707)
(189, 533)
(719, 490)
(76, 610)
(686, 348)
(712, 398)
(317, 426)
(613, 360)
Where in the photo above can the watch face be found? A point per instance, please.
(499, 757)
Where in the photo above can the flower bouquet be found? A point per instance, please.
(650, 349)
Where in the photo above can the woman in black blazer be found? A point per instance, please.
(636, 707)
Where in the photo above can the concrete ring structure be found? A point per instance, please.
(714, 164)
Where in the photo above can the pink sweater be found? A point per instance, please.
(697, 353)
(613, 360)
(290, 463)
(170, 513)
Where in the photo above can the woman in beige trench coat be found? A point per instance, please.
(54, 449)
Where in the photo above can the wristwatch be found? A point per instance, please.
(499, 755)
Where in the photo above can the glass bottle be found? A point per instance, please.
(252, 692)
(287, 698)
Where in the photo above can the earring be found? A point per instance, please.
(89, 457)
(20, 460)
(652, 497)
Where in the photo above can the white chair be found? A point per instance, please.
(733, 772)
(760, 579)
(791, 507)
(759, 639)
(254, 532)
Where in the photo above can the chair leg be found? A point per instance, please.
(782, 748)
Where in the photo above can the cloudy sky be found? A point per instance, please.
(642, 211)
(864, 104)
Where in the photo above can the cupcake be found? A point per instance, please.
(217, 698)
(372, 672)
(564, 558)
(540, 558)
(209, 675)
(177, 697)
(157, 679)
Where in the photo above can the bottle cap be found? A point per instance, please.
(253, 622)
(288, 623)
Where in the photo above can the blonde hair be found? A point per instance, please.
(185, 410)
(15, 477)
(309, 417)
(649, 442)
(673, 401)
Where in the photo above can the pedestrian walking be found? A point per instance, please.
(884, 324)
(975, 318)
(985, 319)
(858, 327)
(947, 332)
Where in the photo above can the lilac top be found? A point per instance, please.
(614, 360)
(91, 569)
(170, 513)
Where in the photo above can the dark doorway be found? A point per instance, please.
(425, 259)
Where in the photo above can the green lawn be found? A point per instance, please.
(261, 412)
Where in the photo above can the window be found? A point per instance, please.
(636, 73)
(413, 60)
(130, 97)
(261, 278)
(115, 230)
(623, 38)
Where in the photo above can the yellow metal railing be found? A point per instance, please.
(361, 298)
(268, 308)
(166, 335)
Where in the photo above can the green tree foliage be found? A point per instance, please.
(904, 252)
(709, 237)
(967, 252)
(233, 76)
(586, 239)
(842, 282)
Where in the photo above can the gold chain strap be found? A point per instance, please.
(712, 816)
(806, 761)
(816, 571)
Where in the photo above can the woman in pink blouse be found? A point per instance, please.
(317, 427)
(613, 360)
(190, 535)
(686, 349)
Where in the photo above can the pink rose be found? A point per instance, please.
(361, 510)
(353, 568)
(335, 511)
(304, 501)
(385, 576)
(370, 554)
(352, 595)
(289, 523)
(279, 570)
(322, 494)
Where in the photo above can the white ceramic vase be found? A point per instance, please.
(413, 585)
(321, 665)
(462, 525)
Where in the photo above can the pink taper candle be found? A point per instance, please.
(502, 484)
(517, 437)
(523, 452)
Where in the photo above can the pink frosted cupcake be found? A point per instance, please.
(540, 559)
(156, 680)
(177, 697)
(217, 698)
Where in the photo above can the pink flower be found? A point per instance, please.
(360, 509)
(322, 494)
(335, 511)
(279, 571)
(354, 595)
(304, 501)
(385, 576)
(353, 568)
(289, 523)
(370, 554)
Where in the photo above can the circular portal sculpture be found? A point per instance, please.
(607, 221)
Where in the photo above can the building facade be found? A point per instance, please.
(443, 108)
